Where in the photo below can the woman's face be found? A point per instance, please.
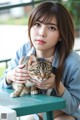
(45, 36)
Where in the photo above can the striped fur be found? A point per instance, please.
(39, 69)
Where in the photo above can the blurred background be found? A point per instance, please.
(13, 25)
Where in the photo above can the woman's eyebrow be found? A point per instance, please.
(52, 24)
(48, 23)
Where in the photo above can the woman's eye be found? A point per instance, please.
(52, 28)
(37, 24)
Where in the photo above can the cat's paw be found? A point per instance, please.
(24, 93)
(12, 95)
(34, 92)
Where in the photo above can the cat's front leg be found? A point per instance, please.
(34, 90)
(26, 90)
(18, 90)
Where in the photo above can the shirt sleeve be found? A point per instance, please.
(72, 86)
(22, 51)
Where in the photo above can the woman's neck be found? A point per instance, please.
(49, 57)
(44, 54)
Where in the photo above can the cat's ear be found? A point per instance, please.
(32, 59)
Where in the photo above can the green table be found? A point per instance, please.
(31, 104)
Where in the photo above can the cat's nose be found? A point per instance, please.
(42, 75)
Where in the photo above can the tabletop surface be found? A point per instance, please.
(27, 104)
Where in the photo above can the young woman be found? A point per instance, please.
(51, 33)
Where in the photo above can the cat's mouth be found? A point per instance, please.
(40, 80)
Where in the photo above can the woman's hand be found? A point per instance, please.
(18, 75)
(50, 83)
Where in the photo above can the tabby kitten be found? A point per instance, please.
(38, 69)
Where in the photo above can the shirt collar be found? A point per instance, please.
(55, 60)
(32, 51)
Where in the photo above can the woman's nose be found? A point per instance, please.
(42, 32)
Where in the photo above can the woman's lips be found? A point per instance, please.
(40, 41)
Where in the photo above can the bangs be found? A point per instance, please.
(45, 17)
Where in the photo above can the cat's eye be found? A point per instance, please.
(36, 72)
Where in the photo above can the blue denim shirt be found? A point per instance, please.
(71, 77)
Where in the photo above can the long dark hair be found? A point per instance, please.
(47, 10)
